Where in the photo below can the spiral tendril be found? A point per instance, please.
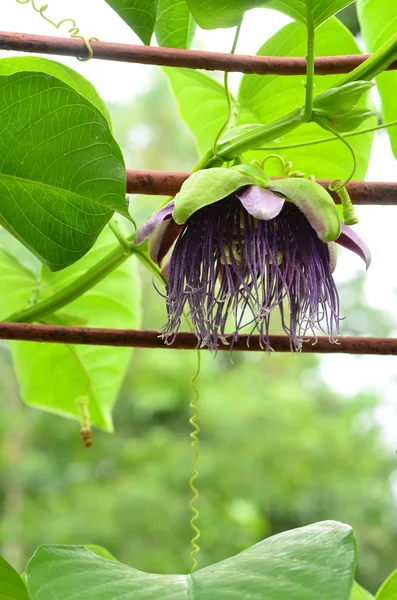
(349, 216)
(286, 167)
(73, 31)
(195, 440)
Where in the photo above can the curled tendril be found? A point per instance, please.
(73, 31)
(195, 440)
(337, 185)
(285, 166)
(349, 215)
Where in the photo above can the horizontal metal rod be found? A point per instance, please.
(186, 341)
(168, 183)
(174, 57)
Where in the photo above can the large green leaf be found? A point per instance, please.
(201, 102)
(175, 25)
(18, 284)
(62, 175)
(378, 21)
(52, 376)
(270, 97)
(140, 15)
(11, 585)
(211, 14)
(62, 72)
(388, 590)
(304, 564)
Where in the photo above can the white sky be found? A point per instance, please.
(121, 82)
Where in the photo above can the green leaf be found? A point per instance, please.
(100, 551)
(388, 590)
(211, 14)
(12, 586)
(270, 97)
(52, 376)
(304, 564)
(206, 187)
(18, 284)
(202, 103)
(378, 22)
(62, 175)
(321, 9)
(175, 25)
(140, 15)
(358, 593)
(8, 66)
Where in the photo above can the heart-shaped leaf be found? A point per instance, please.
(52, 376)
(11, 585)
(140, 15)
(175, 25)
(62, 175)
(62, 72)
(304, 564)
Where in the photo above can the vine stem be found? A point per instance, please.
(195, 440)
(329, 139)
(307, 115)
(82, 284)
(225, 125)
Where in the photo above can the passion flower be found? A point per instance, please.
(237, 259)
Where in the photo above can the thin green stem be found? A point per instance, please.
(228, 119)
(328, 139)
(307, 115)
(231, 148)
(78, 287)
(82, 284)
(337, 184)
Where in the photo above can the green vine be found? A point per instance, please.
(229, 117)
(73, 31)
(307, 115)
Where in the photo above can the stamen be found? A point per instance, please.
(227, 274)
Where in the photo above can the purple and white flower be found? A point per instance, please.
(235, 260)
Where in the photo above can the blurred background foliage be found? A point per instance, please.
(278, 448)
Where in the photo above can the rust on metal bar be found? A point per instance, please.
(186, 341)
(174, 57)
(168, 183)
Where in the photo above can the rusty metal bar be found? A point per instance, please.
(168, 183)
(173, 57)
(185, 341)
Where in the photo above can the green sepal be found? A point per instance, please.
(346, 122)
(254, 171)
(340, 100)
(314, 202)
(206, 187)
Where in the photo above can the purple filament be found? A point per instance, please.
(228, 268)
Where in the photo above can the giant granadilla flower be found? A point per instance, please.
(238, 258)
